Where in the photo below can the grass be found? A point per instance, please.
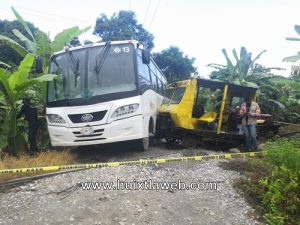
(48, 158)
(84, 155)
(87, 154)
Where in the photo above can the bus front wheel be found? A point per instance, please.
(143, 144)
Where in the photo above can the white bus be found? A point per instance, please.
(104, 93)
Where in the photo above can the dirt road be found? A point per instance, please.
(62, 200)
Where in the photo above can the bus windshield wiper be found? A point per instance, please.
(74, 65)
(100, 59)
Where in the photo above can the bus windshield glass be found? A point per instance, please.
(90, 72)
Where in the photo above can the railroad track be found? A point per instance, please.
(290, 134)
(5, 185)
(24, 180)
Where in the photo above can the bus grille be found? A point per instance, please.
(94, 116)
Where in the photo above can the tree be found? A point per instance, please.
(122, 26)
(7, 54)
(174, 64)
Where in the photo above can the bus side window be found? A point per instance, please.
(154, 82)
(162, 82)
(143, 73)
(160, 87)
(153, 77)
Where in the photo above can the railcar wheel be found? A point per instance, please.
(190, 141)
(170, 140)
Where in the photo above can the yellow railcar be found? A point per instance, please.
(198, 108)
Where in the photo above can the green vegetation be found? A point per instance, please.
(13, 86)
(239, 73)
(280, 200)
(48, 158)
(284, 151)
(8, 54)
(273, 182)
(174, 64)
(122, 26)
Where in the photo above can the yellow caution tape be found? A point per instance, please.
(129, 163)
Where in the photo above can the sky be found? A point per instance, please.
(200, 28)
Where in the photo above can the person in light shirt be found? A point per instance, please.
(249, 111)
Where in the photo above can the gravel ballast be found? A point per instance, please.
(61, 200)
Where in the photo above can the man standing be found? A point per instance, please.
(250, 111)
(30, 112)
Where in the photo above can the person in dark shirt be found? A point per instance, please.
(30, 113)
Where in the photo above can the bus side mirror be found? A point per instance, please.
(146, 56)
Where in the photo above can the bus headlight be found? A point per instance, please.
(54, 118)
(125, 110)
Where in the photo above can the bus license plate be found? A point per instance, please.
(87, 130)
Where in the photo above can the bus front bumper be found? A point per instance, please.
(119, 130)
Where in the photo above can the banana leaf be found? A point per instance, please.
(23, 22)
(277, 103)
(21, 75)
(65, 37)
(13, 44)
(44, 48)
(31, 46)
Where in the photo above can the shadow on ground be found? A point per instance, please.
(121, 151)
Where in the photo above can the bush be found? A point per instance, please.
(281, 197)
(284, 151)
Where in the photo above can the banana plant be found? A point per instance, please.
(13, 86)
(241, 71)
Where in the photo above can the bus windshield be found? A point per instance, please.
(90, 72)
